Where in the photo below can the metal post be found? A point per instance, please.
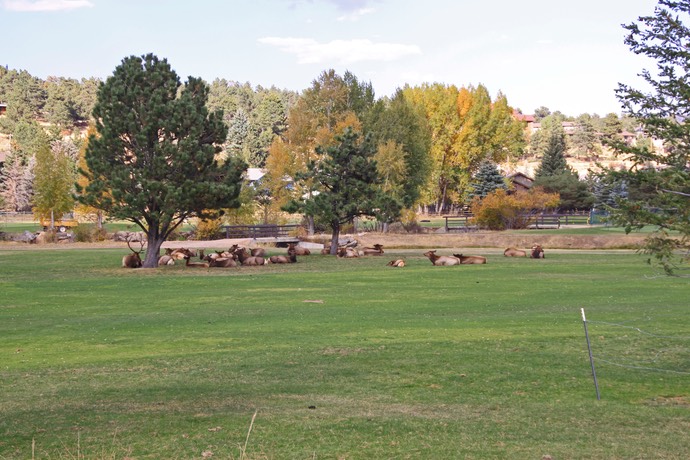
(591, 358)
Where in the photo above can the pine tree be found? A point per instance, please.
(153, 161)
(346, 183)
(487, 179)
(659, 183)
(553, 162)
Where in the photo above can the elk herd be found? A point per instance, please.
(237, 256)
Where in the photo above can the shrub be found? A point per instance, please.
(501, 211)
(89, 233)
(209, 229)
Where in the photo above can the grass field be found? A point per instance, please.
(342, 359)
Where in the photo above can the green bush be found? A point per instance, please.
(89, 233)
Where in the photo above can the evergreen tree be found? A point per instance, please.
(153, 161)
(487, 179)
(553, 160)
(659, 183)
(346, 185)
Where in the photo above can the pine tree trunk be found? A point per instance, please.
(335, 236)
(310, 226)
(153, 249)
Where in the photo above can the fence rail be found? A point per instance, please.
(463, 223)
(259, 231)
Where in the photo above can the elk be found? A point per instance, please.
(179, 253)
(512, 252)
(537, 252)
(133, 260)
(187, 263)
(400, 263)
(377, 250)
(347, 252)
(246, 259)
(299, 250)
(291, 258)
(221, 262)
(470, 260)
(166, 259)
(257, 252)
(441, 260)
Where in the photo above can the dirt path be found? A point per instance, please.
(499, 240)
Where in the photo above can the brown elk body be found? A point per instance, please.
(291, 258)
(470, 260)
(537, 252)
(221, 262)
(441, 260)
(299, 250)
(347, 253)
(377, 250)
(245, 259)
(396, 263)
(195, 264)
(165, 260)
(133, 260)
(512, 252)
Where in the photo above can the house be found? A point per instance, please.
(520, 181)
(3, 108)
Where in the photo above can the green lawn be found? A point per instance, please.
(342, 358)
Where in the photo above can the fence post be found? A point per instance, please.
(591, 358)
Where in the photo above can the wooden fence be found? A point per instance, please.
(260, 231)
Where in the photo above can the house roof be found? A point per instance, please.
(254, 174)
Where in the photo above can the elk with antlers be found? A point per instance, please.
(133, 260)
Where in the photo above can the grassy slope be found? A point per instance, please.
(424, 362)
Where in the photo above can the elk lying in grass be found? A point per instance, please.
(166, 259)
(512, 252)
(537, 252)
(347, 252)
(290, 258)
(133, 260)
(400, 263)
(377, 250)
(470, 260)
(299, 250)
(246, 259)
(221, 262)
(187, 263)
(179, 253)
(441, 260)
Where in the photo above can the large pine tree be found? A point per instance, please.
(153, 161)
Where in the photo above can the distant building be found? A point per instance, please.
(520, 181)
(3, 109)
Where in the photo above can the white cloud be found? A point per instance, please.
(356, 15)
(309, 51)
(45, 5)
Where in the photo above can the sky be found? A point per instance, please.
(568, 56)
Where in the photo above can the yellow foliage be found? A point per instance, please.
(501, 211)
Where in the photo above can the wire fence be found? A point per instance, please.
(632, 347)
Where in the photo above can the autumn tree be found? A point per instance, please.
(54, 177)
(658, 183)
(399, 131)
(322, 112)
(153, 161)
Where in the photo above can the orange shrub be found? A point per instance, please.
(501, 211)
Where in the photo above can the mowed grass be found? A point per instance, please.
(342, 359)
